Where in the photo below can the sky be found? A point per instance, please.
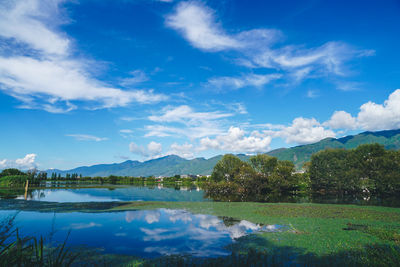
(87, 82)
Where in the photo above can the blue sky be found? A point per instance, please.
(87, 82)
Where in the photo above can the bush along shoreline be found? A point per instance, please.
(368, 170)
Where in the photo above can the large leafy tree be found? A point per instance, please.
(226, 168)
(255, 180)
(11, 171)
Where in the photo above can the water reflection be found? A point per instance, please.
(123, 193)
(147, 233)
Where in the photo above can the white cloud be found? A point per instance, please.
(204, 129)
(374, 116)
(50, 78)
(239, 108)
(137, 76)
(348, 86)
(235, 140)
(23, 21)
(193, 124)
(87, 137)
(302, 131)
(186, 114)
(312, 94)
(371, 117)
(27, 162)
(301, 73)
(185, 150)
(341, 120)
(257, 48)
(197, 24)
(233, 83)
(153, 149)
(127, 118)
(126, 131)
(330, 55)
(53, 81)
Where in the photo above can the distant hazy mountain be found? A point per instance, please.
(165, 166)
(171, 165)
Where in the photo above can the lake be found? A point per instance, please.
(98, 223)
(61, 192)
(145, 233)
(106, 194)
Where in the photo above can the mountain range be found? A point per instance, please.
(172, 164)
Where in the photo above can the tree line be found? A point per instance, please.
(367, 169)
(13, 178)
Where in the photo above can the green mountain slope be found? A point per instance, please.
(301, 154)
(171, 165)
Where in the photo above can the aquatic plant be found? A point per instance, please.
(16, 250)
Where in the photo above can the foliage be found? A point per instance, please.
(30, 251)
(257, 180)
(10, 172)
(226, 169)
(368, 168)
(15, 180)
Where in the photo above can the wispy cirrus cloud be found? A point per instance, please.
(185, 121)
(186, 114)
(250, 80)
(87, 137)
(136, 77)
(197, 24)
(259, 48)
(44, 74)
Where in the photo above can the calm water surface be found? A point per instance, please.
(85, 193)
(147, 233)
(124, 193)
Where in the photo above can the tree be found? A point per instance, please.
(282, 178)
(328, 170)
(368, 166)
(226, 168)
(263, 163)
(11, 171)
(255, 180)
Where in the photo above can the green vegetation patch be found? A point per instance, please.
(322, 234)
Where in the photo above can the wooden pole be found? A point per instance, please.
(26, 189)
